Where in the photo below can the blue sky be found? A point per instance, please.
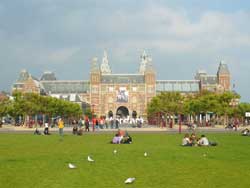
(181, 36)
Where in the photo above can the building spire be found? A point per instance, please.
(146, 63)
(105, 68)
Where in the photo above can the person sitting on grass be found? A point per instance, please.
(80, 131)
(127, 140)
(46, 129)
(245, 132)
(117, 139)
(203, 141)
(186, 141)
(75, 129)
(193, 139)
(37, 132)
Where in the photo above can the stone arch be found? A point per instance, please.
(122, 111)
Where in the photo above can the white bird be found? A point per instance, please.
(115, 151)
(129, 180)
(145, 154)
(71, 166)
(89, 159)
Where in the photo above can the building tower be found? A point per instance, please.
(150, 79)
(223, 76)
(95, 81)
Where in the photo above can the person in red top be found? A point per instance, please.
(93, 123)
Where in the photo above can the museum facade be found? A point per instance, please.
(120, 93)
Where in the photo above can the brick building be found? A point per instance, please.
(120, 93)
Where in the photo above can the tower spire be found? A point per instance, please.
(105, 68)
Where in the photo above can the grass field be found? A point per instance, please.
(42, 161)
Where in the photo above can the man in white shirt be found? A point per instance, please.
(203, 141)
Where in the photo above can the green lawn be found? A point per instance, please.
(42, 161)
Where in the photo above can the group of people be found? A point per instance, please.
(122, 137)
(193, 140)
(108, 122)
(45, 131)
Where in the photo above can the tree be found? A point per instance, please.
(166, 103)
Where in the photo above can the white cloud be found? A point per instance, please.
(174, 31)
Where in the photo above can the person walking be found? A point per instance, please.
(60, 126)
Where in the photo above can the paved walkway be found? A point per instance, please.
(144, 129)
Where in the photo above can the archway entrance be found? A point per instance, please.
(122, 111)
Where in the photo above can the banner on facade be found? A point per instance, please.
(247, 114)
(122, 95)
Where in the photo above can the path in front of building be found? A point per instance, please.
(144, 129)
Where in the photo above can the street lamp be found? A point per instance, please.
(180, 119)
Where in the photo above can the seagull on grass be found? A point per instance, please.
(129, 180)
(89, 159)
(71, 166)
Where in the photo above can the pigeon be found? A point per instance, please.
(129, 180)
(90, 160)
(145, 154)
(115, 151)
(71, 166)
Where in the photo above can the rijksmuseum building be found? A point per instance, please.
(120, 93)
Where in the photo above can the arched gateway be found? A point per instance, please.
(122, 111)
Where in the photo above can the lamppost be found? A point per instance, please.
(180, 119)
(180, 115)
(234, 103)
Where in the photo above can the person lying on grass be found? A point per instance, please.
(245, 132)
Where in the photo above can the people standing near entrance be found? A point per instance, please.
(93, 123)
(116, 123)
(102, 121)
(60, 126)
(86, 123)
(106, 122)
(97, 121)
(111, 120)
